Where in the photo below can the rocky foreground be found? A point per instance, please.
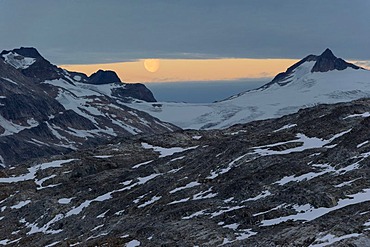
(300, 180)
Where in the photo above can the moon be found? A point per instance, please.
(151, 65)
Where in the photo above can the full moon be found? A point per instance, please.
(151, 65)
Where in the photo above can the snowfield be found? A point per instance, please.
(303, 89)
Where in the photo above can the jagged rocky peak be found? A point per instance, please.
(327, 61)
(103, 77)
(31, 63)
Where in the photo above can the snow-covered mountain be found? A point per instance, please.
(313, 80)
(47, 110)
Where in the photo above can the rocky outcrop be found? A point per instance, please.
(103, 77)
(300, 180)
(327, 61)
(134, 91)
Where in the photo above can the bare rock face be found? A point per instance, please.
(299, 180)
(327, 61)
(103, 77)
(135, 91)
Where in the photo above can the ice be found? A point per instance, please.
(164, 152)
(133, 243)
(196, 137)
(331, 239)
(189, 185)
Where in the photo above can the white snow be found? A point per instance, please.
(233, 226)
(18, 61)
(363, 143)
(288, 126)
(103, 156)
(11, 81)
(199, 213)
(133, 243)
(32, 171)
(164, 152)
(331, 239)
(141, 164)
(263, 194)
(308, 143)
(65, 200)
(204, 195)
(151, 201)
(303, 89)
(221, 171)
(310, 213)
(20, 204)
(187, 186)
(52, 244)
(365, 114)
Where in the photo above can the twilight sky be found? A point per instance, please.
(92, 31)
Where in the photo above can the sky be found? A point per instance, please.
(81, 32)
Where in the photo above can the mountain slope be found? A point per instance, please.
(313, 80)
(46, 110)
(299, 180)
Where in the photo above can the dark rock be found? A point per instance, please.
(103, 77)
(327, 61)
(134, 91)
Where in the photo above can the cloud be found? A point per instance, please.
(96, 31)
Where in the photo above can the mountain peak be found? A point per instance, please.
(327, 61)
(328, 54)
(103, 77)
(25, 52)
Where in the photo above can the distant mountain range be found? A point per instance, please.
(313, 80)
(46, 110)
(84, 169)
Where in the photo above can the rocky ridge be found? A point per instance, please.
(299, 180)
(46, 110)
